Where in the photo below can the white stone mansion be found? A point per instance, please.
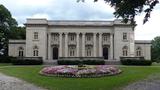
(53, 40)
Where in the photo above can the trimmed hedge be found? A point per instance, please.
(27, 61)
(6, 59)
(136, 62)
(77, 62)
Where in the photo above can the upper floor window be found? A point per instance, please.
(35, 51)
(72, 37)
(125, 51)
(88, 37)
(138, 51)
(124, 36)
(35, 35)
(21, 50)
(105, 38)
(55, 37)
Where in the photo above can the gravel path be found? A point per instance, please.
(152, 83)
(11, 83)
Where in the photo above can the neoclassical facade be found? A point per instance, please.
(54, 40)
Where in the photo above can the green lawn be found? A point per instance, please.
(130, 74)
(5, 64)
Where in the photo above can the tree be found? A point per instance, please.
(128, 9)
(155, 49)
(7, 23)
(17, 33)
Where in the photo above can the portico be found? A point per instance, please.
(80, 44)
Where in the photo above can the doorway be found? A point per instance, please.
(55, 53)
(105, 53)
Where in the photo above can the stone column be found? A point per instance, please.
(132, 44)
(77, 44)
(111, 46)
(66, 44)
(94, 45)
(49, 46)
(60, 44)
(100, 44)
(83, 44)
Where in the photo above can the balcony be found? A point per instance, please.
(54, 42)
(72, 43)
(89, 42)
(106, 42)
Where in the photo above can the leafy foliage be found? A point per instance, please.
(7, 23)
(17, 33)
(128, 9)
(155, 49)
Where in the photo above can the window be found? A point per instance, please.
(125, 51)
(35, 51)
(35, 35)
(104, 37)
(72, 37)
(55, 37)
(89, 50)
(72, 51)
(138, 51)
(124, 36)
(20, 51)
(88, 37)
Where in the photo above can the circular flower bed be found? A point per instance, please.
(80, 71)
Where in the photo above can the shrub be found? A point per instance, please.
(6, 59)
(136, 62)
(77, 62)
(27, 61)
(94, 62)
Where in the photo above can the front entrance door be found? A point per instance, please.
(105, 53)
(55, 53)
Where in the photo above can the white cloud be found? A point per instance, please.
(40, 16)
(150, 29)
(71, 10)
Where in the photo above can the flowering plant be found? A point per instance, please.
(85, 71)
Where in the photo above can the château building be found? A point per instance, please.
(56, 39)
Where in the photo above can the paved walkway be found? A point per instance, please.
(11, 83)
(152, 83)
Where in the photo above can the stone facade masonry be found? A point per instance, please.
(53, 40)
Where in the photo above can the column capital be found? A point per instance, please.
(111, 33)
(66, 33)
(60, 33)
(94, 33)
(83, 33)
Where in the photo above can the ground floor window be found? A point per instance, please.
(21, 50)
(72, 51)
(35, 51)
(88, 51)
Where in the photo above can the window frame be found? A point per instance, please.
(125, 36)
(35, 36)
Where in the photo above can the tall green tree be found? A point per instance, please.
(128, 9)
(155, 49)
(7, 23)
(17, 33)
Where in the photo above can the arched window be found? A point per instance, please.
(89, 50)
(35, 51)
(21, 50)
(138, 51)
(125, 51)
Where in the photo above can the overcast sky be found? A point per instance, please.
(71, 10)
